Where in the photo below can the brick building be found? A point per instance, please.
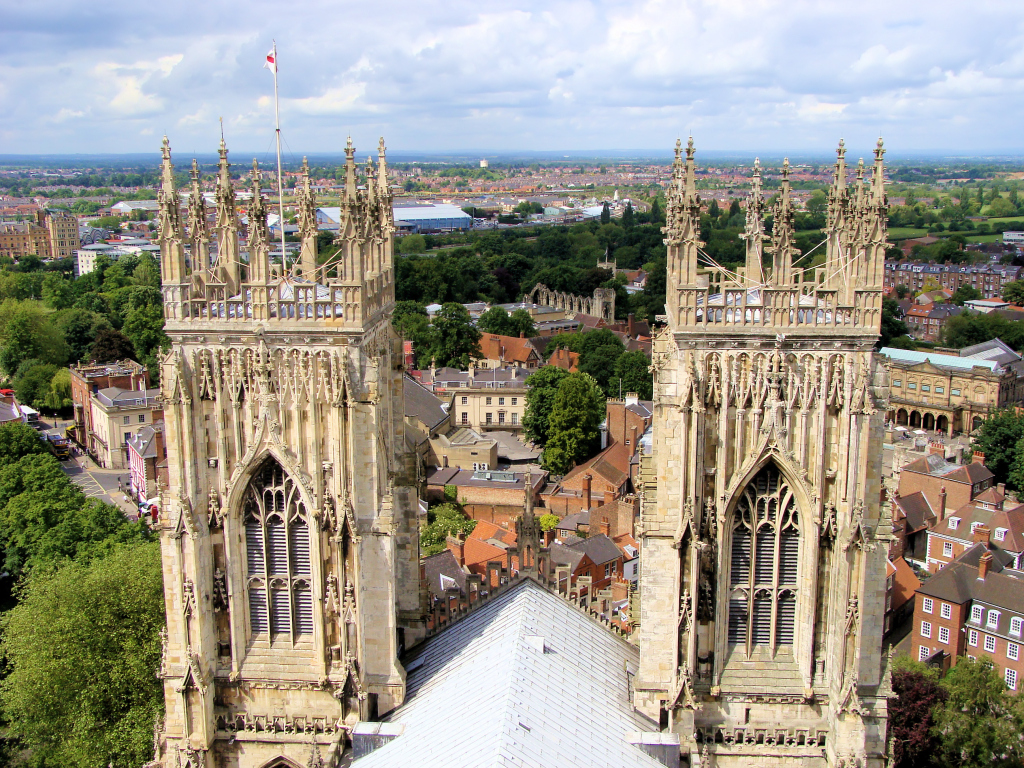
(497, 497)
(972, 607)
(984, 520)
(500, 351)
(989, 279)
(945, 485)
(88, 379)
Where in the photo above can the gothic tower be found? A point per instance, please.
(763, 548)
(288, 529)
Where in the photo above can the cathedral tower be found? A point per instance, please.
(288, 529)
(763, 548)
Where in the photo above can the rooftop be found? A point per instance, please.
(524, 680)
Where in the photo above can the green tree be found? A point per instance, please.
(606, 214)
(443, 521)
(627, 216)
(1013, 292)
(910, 712)
(57, 293)
(574, 423)
(32, 382)
(21, 344)
(495, 320)
(144, 326)
(18, 440)
(632, 372)
(542, 385)
(892, 326)
(110, 345)
(657, 217)
(58, 397)
(998, 437)
(965, 293)
(979, 724)
(413, 244)
(454, 339)
(548, 521)
(79, 328)
(521, 323)
(82, 650)
(147, 272)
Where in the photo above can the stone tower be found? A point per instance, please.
(288, 529)
(763, 549)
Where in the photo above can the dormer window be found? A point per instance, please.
(992, 620)
(953, 523)
(1000, 534)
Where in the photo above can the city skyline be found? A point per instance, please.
(585, 75)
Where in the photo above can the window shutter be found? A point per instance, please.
(740, 571)
(257, 608)
(786, 622)
(737, 619)
(764, 565)
(254, 546)
(298, 535)
(280, 613)
(303, 609)
(789, 556)
(762, 624)
(277, 555)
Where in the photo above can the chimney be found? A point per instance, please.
(981, 535)
(522, 334)
(457, 546)
(942, 504)
(606, 528)
(984, 564)
(609, 497)
(586, 490)
(632, 398)
(937, 448)
(958, 453)
(632, 442)
(1001, 488)
(978, 457)
(158, 439)
(630, 324)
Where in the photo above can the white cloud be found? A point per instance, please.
(558, 74)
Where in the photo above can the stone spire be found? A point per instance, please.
(307, 225)
(782, 232)
(878, 178)
(682, 225)
(198, 233)
(172, 249)
(259, 237)
(753, 233)
(227, 223)
(837, 249)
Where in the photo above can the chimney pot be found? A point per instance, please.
(586, 490)
(942, 504)
(606, 528)
(978, 457)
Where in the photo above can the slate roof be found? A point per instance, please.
(612, 464)
(916, 510)
(524, 680)
(958, 582)
(937, 466)
(1011, 520)
(422, 404)
(442, 571)
(598, 548)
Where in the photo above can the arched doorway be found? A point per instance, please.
(928, 422)
(976, 423)
(915, 419)
(942, 424)
(902, 417)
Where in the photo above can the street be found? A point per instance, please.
(95, 482)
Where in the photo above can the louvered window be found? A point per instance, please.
(764, 563)
(277, 541)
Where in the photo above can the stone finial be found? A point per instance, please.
(195, 170)
(165, 150)
(689, 149)
(381, 149)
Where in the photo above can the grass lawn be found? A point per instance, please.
(904, 233)
(983, 238)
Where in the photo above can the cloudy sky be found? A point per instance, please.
(458, 75)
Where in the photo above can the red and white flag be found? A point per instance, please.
(271, 62)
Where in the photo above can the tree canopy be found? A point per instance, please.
(454, 340)
(574, 423)
(444, 520)
(540, 399)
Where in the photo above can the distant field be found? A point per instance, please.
(1008, 220)
(903, 233)
(984, 238)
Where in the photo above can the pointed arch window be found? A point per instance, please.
(277, 549)
(764, 564)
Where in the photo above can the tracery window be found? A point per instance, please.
(277, 544)
(764, 564)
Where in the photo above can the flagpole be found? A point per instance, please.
(280, 180)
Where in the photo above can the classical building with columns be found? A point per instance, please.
(763, 548)
(288, 529)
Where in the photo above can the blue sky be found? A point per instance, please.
(454, 75)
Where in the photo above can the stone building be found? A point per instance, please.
(953, 392)
(763, 566)
(24, 238)
(62, 229)
(288, 529)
